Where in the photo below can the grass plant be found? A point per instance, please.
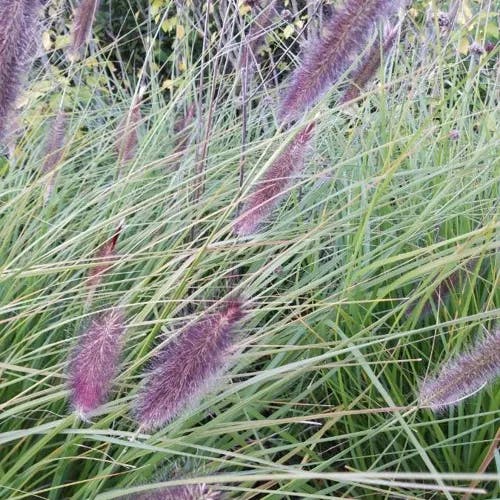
(323, 398)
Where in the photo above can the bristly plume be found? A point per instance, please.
(275, 182)
(127, 135)
(369, 65)
(181, 130)
(187, 367)
(325, 59)
(463, 376)
(105, 257)
(94, 362)
(184, 492)
(82, 28)
(19, 38)
(443, 290)
(54, 150)
(261, 25)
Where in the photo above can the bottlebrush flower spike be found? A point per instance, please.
(82, 28)
(19, 34)
(325, 59)
(274, 184)
(185, 369)
(127, 136)
(368, 67)
(463, 376)
(105, 256)
(181, 130)
(184, 492)
(443, 290)
(256, 36)
(54, 150)
(94, 362)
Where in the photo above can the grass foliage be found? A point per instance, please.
(399, 192)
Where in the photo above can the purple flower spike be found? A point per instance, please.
(19, 30)
(187, 366)
(127, 131)
(94, 362)
(184, 492)
(54, 151)
(325, 59)
(82, 28)
(276, 180)
(464, 376)
(368, 67)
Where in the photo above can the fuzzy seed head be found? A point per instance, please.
(187, 366)
(326, 58)
(54, 150)
(94, 362)
(463, 376)
(369, 65)
(275, 182)
(105, 256)
(82, 28)
(184, 492)
(127, 132)
(261, 25)
(19, 38)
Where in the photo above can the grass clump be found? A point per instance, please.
(348, 311)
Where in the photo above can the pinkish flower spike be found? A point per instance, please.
(183, 492)
(127, 131)
(19, 33)
(82, 28)
(94, 362)
(463, 376)
(274, 184)
(105, 256)
(54, 150)
(325, 59)
(185, 368)
(369, 65)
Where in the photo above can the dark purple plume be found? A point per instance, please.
(82, 28)
(325, 59)
(127, 131)
(105, 256)
(261, 25)
(274, 184)
(443, 290)
(187, 366)
(368, 66)
(184, 492)
(463, 376)
(19, 38)
(182, 133)
(94, 362)
(54, 150)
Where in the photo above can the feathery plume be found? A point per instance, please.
(82, 28)
(368, 67)
(326, 58)
(463, 376)
(127, 136)
(276, 180)
(184, 370)
(105, 256)
(184, 492)
(54, 151)
(256, 36)
(443, 290)
(94, 362)
(181, 130)
(19, 30)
